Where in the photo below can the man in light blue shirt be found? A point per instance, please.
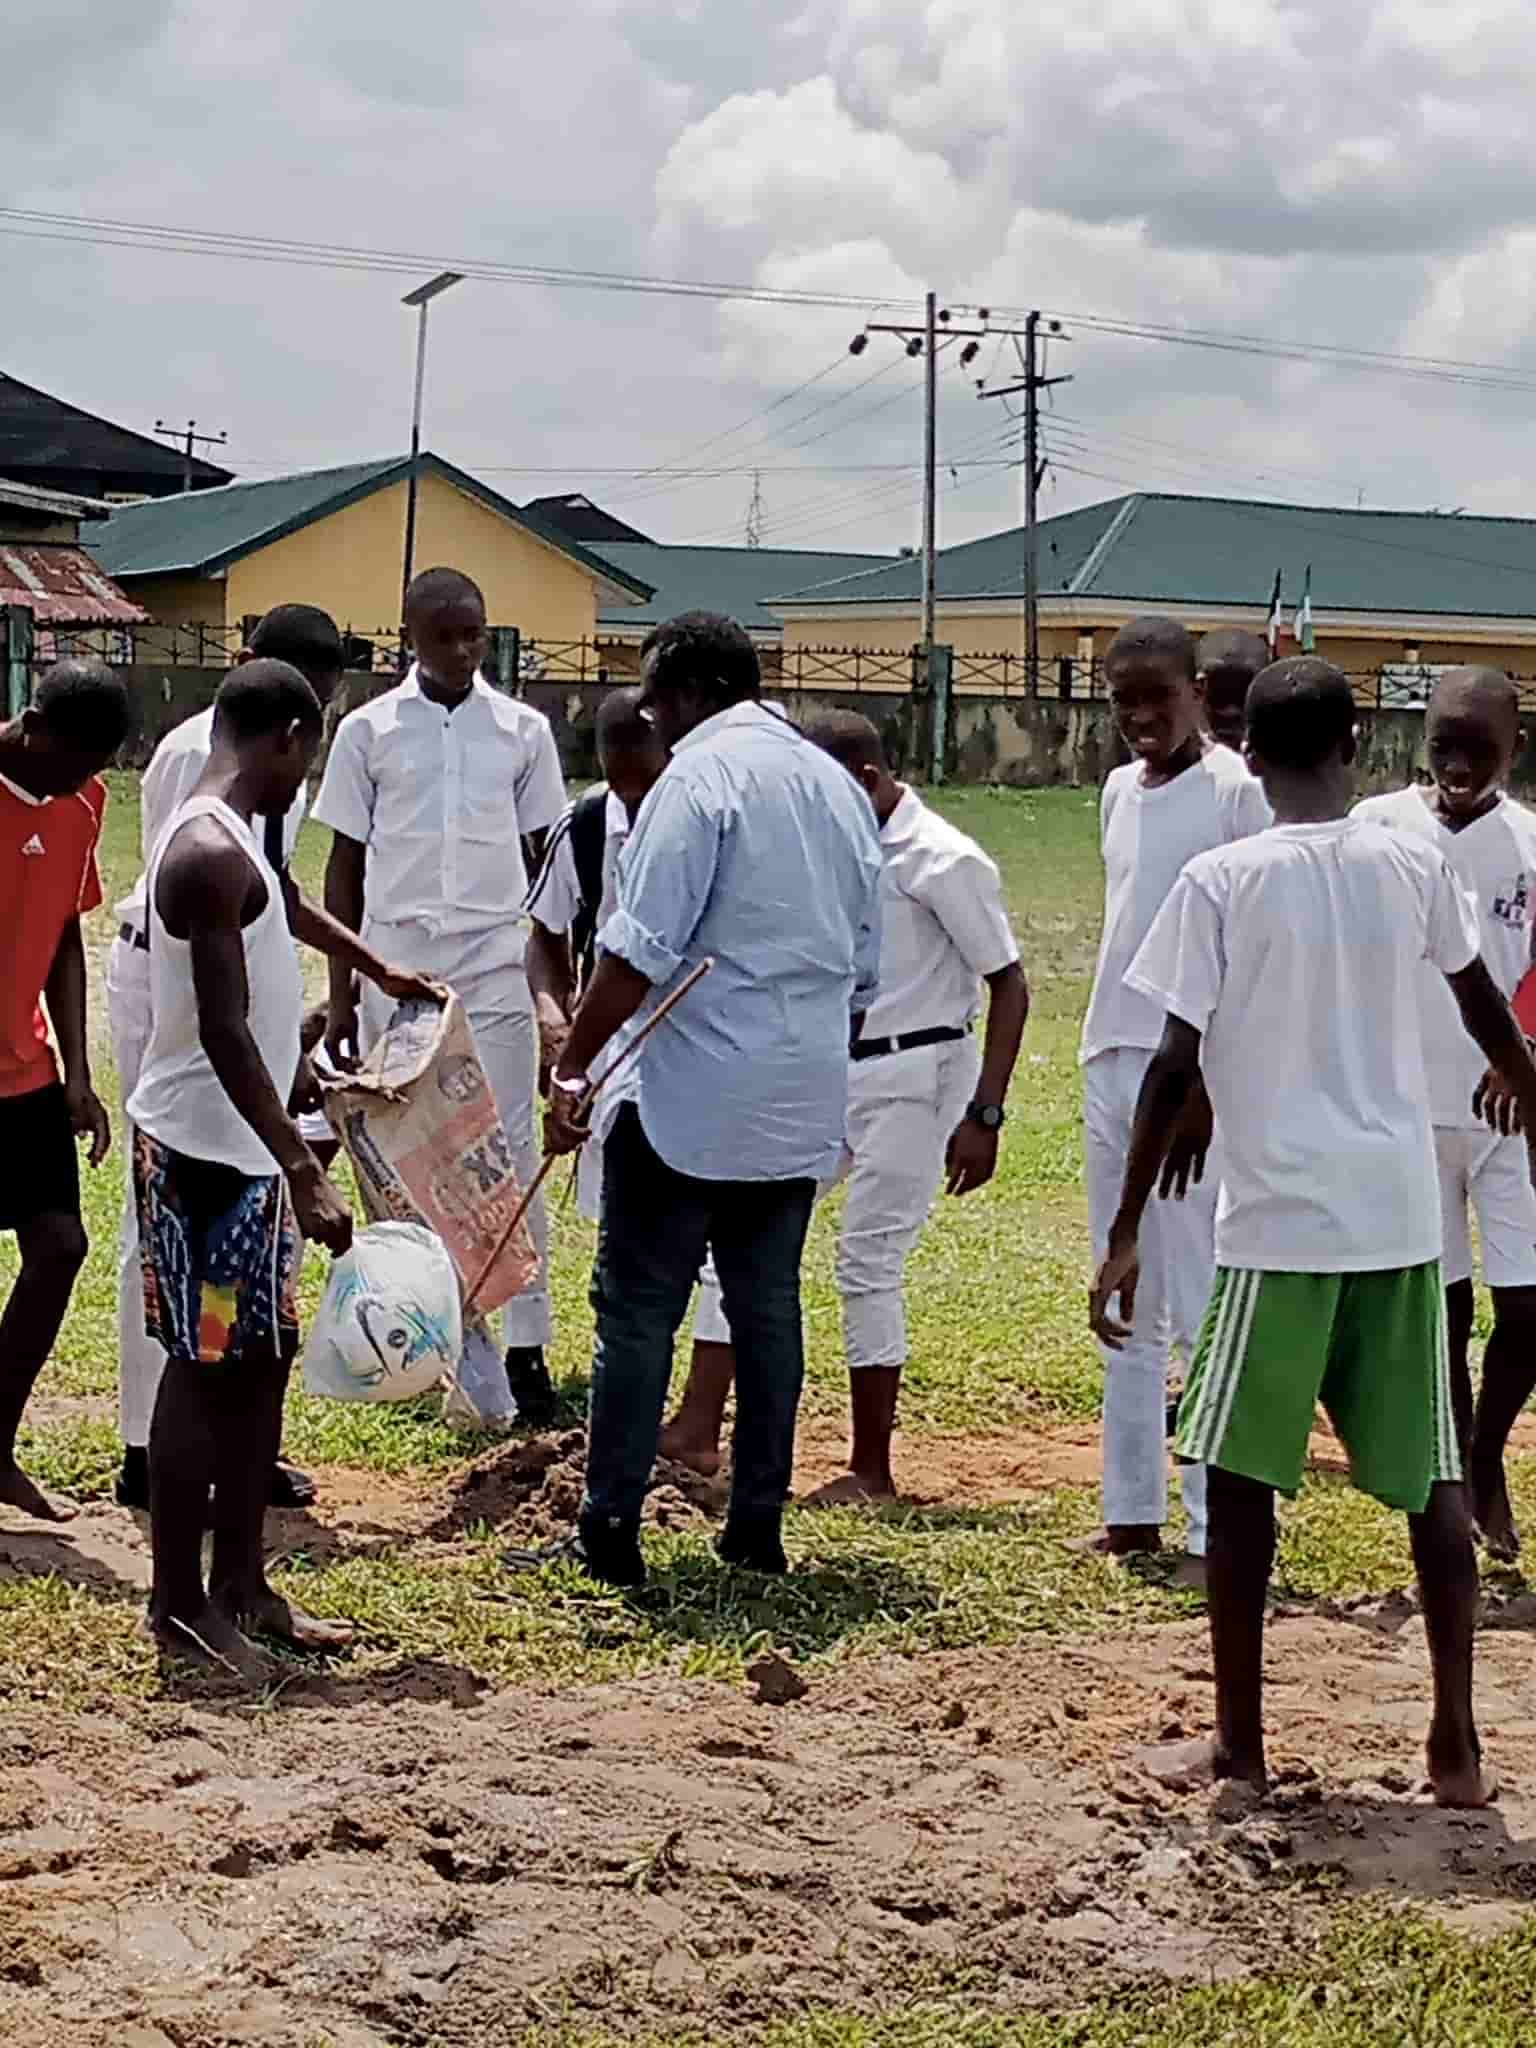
(756, 850)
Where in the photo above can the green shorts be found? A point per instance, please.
(1370, 1346)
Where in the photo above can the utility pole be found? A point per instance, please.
(930, 473)
(189, 437)
(755, 512)
(1034, 470)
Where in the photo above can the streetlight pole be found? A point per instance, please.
(421, 298)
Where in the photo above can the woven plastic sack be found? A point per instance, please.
(389, 1325)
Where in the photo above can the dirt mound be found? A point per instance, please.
(531, 1491)
(672, 1853)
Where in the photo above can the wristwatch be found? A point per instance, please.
(990, 1115)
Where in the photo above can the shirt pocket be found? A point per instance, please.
(488, 790)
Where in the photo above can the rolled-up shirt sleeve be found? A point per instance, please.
(665, 878)
(866, 951)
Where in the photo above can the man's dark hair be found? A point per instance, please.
(262, 697)
(707, 652)
(849, 737)
(1152, 639)
(1233, 648)
(303, 636)
(1300, 711)
(434, 587)
(621, 727)
(84, 705)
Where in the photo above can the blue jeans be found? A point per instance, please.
(656, 1226)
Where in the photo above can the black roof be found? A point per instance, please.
(579, 519)
(49, 442)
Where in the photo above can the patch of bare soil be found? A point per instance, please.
(426, 1875)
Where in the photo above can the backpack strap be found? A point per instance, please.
(589, 837)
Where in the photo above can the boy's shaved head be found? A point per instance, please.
(1152, 639)
(1300, 712)
(622, 727)
(1232, 648)
(849, 737)
(435, 587)
(1473, 692)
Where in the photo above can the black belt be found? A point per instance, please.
(130, 936)
(907, 1041)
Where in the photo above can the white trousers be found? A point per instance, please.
(902, 1109)
(1178, 1260)
(140, 1359)
(500, 1013)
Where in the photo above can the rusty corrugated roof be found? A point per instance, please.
(62, 586)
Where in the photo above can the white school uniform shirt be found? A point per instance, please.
(1147, 835)
(1494, 859)
(1297, 954)
(442, 799)
(943, 924)
(169, 779)
(554, 899)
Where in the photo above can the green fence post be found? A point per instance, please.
(16, 643)
(506, 659)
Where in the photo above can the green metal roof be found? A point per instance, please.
(200, 531)
(1161, 548)
(733, 580)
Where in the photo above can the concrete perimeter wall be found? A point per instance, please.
(1021, 742)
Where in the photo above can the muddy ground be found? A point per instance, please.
(438, 1865)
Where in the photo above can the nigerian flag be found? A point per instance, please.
(1306, 639)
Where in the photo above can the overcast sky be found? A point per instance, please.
(1357, 172)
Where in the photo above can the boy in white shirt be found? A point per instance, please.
(1181, 795)
(1227, 664)
(925, 1105)
(440, 794)
(307, 639)
(1288, 971)
(1471, 734)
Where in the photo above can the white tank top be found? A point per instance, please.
(180, 1100)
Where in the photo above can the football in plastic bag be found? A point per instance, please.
(389, 1325)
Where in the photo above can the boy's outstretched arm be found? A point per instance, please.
(1173, 1074)
(1490, 1020)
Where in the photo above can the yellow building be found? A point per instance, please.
(335, 538)
(1392, 593)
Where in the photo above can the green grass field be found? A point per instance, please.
(997, 1295)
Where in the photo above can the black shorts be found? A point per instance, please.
(39, 1165)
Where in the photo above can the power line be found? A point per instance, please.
(114, 233)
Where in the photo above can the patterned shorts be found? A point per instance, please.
(220, 1257)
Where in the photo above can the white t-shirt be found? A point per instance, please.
(1147, 835)
(1297, 953)
(554, 896)
(169, 779)
(1494, 859)
(943, 924)
(442, 799)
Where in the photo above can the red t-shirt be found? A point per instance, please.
(48, 875)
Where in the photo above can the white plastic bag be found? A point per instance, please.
(389, 1325)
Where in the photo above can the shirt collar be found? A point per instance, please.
(25, 795)
(904, 817)
(411, 687)
(751, 711)
(615, 818)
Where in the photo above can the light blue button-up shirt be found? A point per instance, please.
(758, 849)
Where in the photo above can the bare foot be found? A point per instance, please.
(210, 1641)
(696, 1453)
(849, 1491)
(18, 1491)
(269, 1614)
(1190, 1766)
(1495, 1518)
(1457, 1777)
